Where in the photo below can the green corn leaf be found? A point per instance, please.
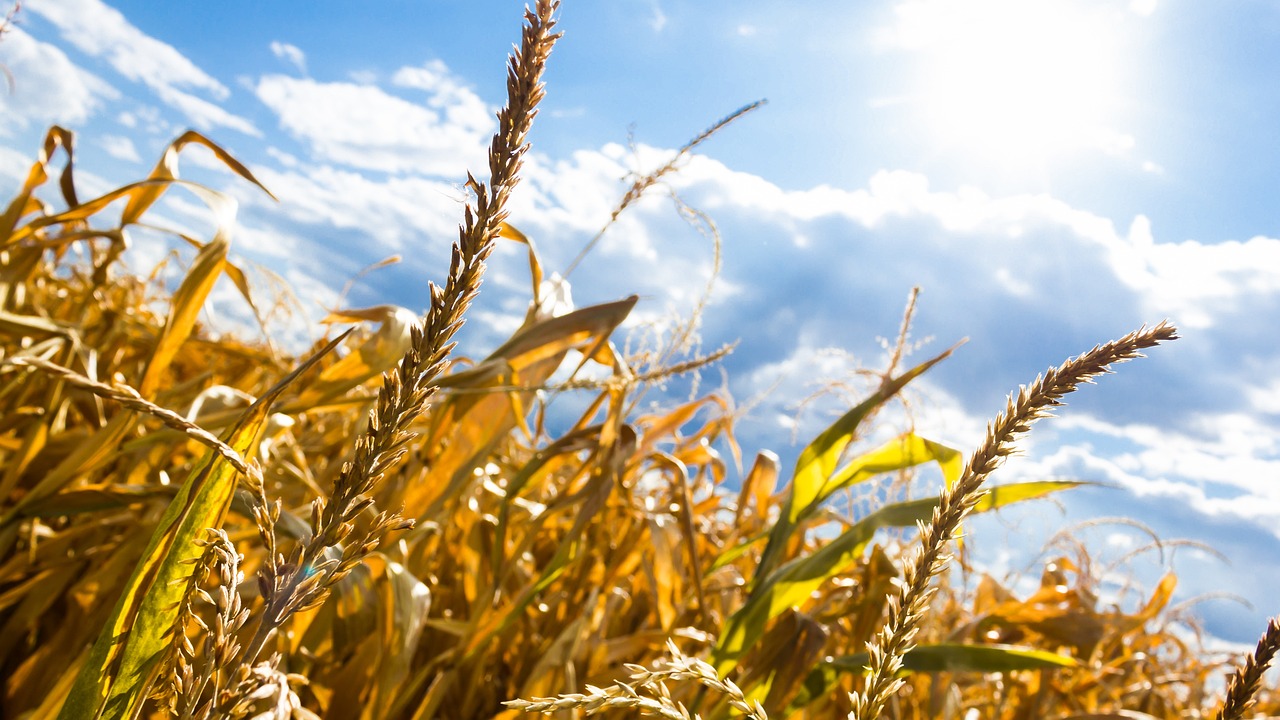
(792, 583)
(123, 663)
(737, 551)
(961, 657)
(944, 657)
(819, 461)
(998, 496)
(902, 452)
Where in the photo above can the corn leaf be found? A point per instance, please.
(166, 170)
(942, 657)
(124, 660)
(468, 423)
(963, 657)
(792, 583)
(902, 452)
(22, 204)
(998, 496)
(403, 604)
(188, 299)
(819, 461)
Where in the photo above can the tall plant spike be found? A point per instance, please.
(907, 608)
(304, 580)
(1246, 680)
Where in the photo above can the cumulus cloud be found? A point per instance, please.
(48, 87)
(363, 126)
(388, 215)
(1218, 467)
(1198, 284)
(457, 102)
(103, 32)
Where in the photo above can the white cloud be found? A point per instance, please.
(1259, 508)
(1230, 449)
(285, 159)
(658, 18)
(119, 147)
(48, 87)
(146, 118)
(102, 31)
(13, 168)
(388, 215)
(365, 127)
(578, 193)
(448, 94)
(1266, 397)
(204, 114)
(1197, 284)
(291, 54)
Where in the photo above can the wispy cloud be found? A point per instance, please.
(119, 147)
(13, 166)
(103, 32)
(657, 17)
(291, 54)
(203, 114)
(48, 87)
(383, 215)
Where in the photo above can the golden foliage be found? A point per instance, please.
(421, 543)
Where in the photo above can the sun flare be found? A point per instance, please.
(1016, 80)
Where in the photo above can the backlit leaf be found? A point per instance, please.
(819, 461)
(122, 665)
(792, 583)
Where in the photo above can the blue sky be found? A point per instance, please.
(1053, 174)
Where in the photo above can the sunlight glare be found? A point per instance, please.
(1016, 80)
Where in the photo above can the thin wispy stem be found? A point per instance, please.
(129, 397)
(642, 183)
